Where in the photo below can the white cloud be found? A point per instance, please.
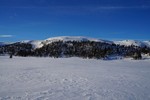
(5, 36)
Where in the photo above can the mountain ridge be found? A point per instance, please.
(41, 43)
(68, 46)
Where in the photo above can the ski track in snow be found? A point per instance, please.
(32, 78)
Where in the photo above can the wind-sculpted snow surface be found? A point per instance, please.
(33, 78)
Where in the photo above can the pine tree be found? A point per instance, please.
(137, 55)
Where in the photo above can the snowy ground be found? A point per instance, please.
(73, 79)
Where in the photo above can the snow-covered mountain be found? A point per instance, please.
(133, 42)
(40, 43)
(130, 42)
(78, 46)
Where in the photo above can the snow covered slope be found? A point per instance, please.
(133, 42)
(36, 44)
(147, 43)
(29, 78)
(40, 43)
(75, 38)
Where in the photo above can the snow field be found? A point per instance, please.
(32, 78)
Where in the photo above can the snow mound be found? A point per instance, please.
(130, 42)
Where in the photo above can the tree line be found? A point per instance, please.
(84, 49)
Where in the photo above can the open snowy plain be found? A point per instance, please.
(32, 78)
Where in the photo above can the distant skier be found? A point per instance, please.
(10, 56)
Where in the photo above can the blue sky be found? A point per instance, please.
(105, 19)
